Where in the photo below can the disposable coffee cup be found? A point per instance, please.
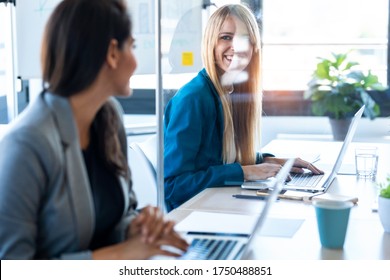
(332, 222)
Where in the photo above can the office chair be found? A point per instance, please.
(143, 164)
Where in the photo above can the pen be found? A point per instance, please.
(244, 196)
(316, 159)
(281, 195)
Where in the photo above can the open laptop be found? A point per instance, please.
(308, 181)
(231, 246)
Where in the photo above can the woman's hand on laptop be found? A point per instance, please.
(261, 171)
(134, 248)
(152, 227)
(149, 223)
(299, 165)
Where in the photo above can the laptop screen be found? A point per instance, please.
(343, 150)
(278, 186)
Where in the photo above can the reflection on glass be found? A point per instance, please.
(212, 122)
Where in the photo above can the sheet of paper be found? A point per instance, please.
(281, 227)
(217, 222)
(234, 223)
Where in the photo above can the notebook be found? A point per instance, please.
(308, 181)
(232, 246)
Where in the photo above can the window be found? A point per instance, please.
(296, 32)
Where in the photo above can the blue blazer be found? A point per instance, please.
(193, 137)
(46, 205)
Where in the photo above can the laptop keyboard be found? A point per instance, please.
(209, 249)
(305, 179)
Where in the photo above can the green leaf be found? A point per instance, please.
(322, 71)
(372, 109)
(358, 76)
(350, 65)
(340, 58)
(385, 188)
(318, 109)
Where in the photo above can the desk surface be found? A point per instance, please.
(365, 240)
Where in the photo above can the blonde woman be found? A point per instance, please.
(212, 123)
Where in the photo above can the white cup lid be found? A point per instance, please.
(332, 204)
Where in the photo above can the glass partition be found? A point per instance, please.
(292, 38)
(4, 61)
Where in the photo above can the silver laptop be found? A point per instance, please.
(308, 181)
(231, 246)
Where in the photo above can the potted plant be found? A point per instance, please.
(338, 90)
(384, 204)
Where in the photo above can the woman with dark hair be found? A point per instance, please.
(212, 124)
(65, 188)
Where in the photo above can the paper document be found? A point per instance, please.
(217, 222)
(199, 221)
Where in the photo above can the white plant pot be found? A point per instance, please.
(384, 212)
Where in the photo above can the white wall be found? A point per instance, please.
(318, 128)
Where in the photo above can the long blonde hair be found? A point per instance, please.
(241, 115)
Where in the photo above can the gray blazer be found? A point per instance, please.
(46, 205)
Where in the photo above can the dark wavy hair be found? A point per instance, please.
(74, 49)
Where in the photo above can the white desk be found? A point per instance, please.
(365, 240)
